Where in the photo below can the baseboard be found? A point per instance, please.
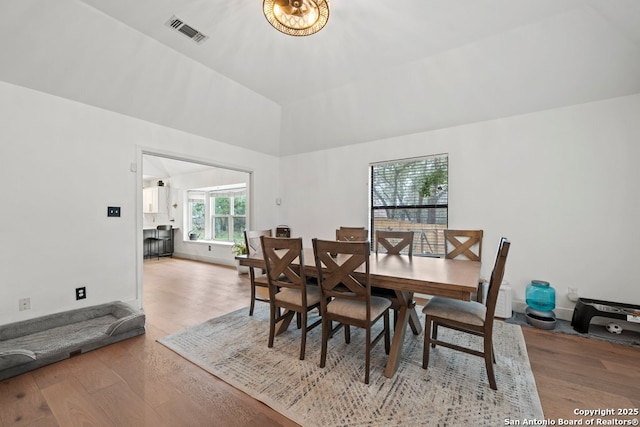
(210, 260)
(135, 303)
(561, 313)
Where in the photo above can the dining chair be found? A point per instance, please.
(467, 316)
(352, 234)
(465, 244)
(288, 287)
(394, 242)
(259, 282)
(346, 296)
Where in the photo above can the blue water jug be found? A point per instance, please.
(541, 296)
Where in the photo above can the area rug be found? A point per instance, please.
(453, 391)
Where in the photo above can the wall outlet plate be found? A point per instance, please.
(113, 211)
(24, 304)
(81, 293)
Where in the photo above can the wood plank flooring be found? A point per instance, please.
(139, 382)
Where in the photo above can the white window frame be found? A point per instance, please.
(208, 196)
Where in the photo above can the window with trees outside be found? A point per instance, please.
(219, 213)
(412, 195)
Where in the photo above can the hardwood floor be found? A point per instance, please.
(574, 372)
(140, 382)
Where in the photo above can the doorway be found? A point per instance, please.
(175, 182)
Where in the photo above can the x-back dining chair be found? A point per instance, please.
(352, 234)
(259, 282)
(467, 316)
(465, 244)
(288, 288)
(346, 297)
(394, 242)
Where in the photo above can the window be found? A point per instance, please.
(412, 195)
(218, 213)
(197, 213)
(229, 214)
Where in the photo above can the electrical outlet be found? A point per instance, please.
(24, 304)
(81, 293)
(572, 294)
(209, 248)
(113, 211)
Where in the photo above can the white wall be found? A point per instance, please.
(61, 164)
(509, 72)
(99, 61)
(561, 184)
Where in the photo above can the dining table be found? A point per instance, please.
(405, 276)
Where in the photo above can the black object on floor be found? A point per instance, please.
(599, 332)
(587, 308)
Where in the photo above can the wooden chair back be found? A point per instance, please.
(496, 280)
(394, 242)
(336, 279)
(254, 248)
(279, 255)
(463, 243)
(252, 240)
(352, 234)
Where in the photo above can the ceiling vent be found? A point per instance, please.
(178, 25)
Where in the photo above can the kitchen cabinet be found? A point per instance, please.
(154, 200)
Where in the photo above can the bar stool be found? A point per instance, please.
(149, 241)
(164, 236)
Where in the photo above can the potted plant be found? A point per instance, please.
(239, 248)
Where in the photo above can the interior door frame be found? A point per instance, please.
(136, 167)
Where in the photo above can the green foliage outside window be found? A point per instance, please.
(240, 205)
(222, 206)
(221, 228)
(197, 219)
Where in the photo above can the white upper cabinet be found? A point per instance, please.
(154, 200)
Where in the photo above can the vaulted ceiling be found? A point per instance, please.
(378, 69)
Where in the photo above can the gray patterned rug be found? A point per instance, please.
(453, 391)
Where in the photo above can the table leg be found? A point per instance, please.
(414, 320)
(407, 312)
(284, 323)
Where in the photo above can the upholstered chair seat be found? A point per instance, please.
(469, 312)
(358, 309)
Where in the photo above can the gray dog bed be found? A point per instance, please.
(33, 343)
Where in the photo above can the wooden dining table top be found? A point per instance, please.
(450, 278)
